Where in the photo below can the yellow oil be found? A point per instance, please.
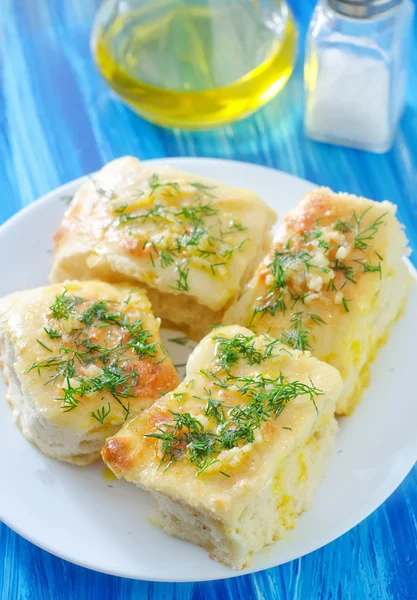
(193, 66)
(108, 475)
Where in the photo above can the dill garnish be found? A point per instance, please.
(185, 437)
(282, 266)
(316, 319)
(154, 183)
(297, 337)
(214, 410)
(101, 413)
(345, 305)
(277, 271)
(364, 236)
(348, 271)
(288, 274)
(331, 285)
(367, 267)
(63, 306)
(342, 226)
(313, 234)
(44, 345)
(323, 244)
(185, 232)
(166, 257)
(126, 340)
(259, 398)
(230, 351)
(52, 333)
(182, 281)
(201, 187)
(98, 310)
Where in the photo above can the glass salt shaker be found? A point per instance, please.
(357, 56)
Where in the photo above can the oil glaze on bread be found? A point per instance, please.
(79, 359)
(333, 282)
(237, 451)
(192, 242)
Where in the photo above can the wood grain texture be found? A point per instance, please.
(58, 120)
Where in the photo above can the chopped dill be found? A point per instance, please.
(155, 183)
(101, 413)
(166, 257)
(52, 333)
(323, 244)
(194, 236)
(343, 226)
(185, 437)
(277, 271)
(214, 410)
(347, 270)
(201, 187)
(115, 375)
(182, 280)
(213, 266)
(234, 227)
(287, 282)
(364, 236)
(331, 285)
(316, 319)
(230, 351)
(44, 345)
(63, 305)
(297, 337)
(314, 234)
(367, 267)
(96, 311)
(270, 347)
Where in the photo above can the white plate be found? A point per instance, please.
(76, 514)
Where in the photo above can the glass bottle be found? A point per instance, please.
(357, 56)
(194, 63)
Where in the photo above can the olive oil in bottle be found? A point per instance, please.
(194, 63)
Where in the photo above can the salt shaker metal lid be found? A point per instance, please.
(362, 9)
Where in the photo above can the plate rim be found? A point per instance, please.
(395, 479)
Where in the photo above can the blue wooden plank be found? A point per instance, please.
(59, 120)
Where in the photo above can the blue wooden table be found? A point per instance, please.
(58, 120)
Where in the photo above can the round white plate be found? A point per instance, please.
(75, 513)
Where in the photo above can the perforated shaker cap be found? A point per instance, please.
(362, 9)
